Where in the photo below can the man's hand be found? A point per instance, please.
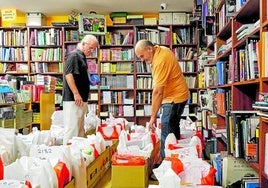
(152, 123)
(78, 100)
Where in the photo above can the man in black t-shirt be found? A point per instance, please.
(76, 88)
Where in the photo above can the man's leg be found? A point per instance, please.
(70, 120)
(175, 117)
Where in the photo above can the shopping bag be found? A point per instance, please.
(127, 160)
(10, 183)
(38, 172)
(1, 169)
(63, 174)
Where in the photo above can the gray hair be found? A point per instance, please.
(87, 38)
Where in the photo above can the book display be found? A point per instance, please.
(116, 57)
(126, 83)
(238, 47)
(14, 51)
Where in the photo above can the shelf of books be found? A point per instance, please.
(116, 69)
(235, 79)
(14, 51)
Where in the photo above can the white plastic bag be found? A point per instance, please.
(8, 141)
(38, 172)
(12, 184)
(166, 176)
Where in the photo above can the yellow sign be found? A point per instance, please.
(8, 14)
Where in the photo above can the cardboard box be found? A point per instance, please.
(105, 163)
(119, 20)
(113, 147)
(137, 21)
(165, 18)
(179, 18)
(70, 184)
(35, 19)
(130, 176)
(93, 173)
(150, 21)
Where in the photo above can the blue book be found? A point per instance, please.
(220, 72)
(252, 185)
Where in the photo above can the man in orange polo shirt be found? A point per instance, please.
(170, 91)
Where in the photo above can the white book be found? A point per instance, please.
(106, 97)
(128, 110)
(161, 28)
(245, 26)
(233, 169)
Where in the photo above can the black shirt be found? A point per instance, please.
(76, 64)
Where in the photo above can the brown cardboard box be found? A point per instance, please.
(105, 161)
(130, 176)
(93, 172)
(70, 184)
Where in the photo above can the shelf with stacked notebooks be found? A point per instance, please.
(239, 80)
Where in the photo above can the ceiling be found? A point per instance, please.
(64, 7)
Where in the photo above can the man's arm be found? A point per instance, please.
(157, 97)
(71, 83)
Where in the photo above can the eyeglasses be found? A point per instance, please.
(89, 46)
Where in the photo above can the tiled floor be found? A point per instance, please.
(105, 181)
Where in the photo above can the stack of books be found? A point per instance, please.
(244, 30)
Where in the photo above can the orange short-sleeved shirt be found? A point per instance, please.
(167, 72)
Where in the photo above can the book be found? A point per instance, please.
(215, 159)
(233, 169)
(250, 182)
(252, 141)
(134, 16)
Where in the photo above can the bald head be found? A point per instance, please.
(144, 50)
(142, 44)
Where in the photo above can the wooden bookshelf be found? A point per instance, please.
(244, 53)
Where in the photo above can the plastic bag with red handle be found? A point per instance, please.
(1, 169)
(62, 173)
(127, 160)
(209, 179)
(109, 131)
(176, 164)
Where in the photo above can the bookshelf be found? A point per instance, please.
(125, 80)
(116, 69)
(121, 39)
(239, 42)
(14, 51)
